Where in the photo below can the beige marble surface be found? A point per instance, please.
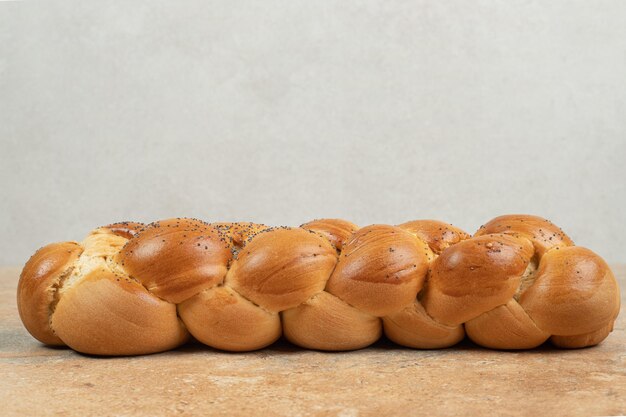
(284, 380)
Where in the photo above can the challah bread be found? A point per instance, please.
(130, 288)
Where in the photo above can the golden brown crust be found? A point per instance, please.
(126, 230)
(177, 258)
(412, 327)
(506, 327)
(327, 285)
(437, 235)
(240, 233)
(105, 314)
(582, 340)
(475, 276)
(543, 233)
(324, 322)
(337, 231)
(573, 294)
(380, 270)
(282, 268)
(37, 286)
(223, 319)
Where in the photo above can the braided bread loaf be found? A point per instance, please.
(132, 289)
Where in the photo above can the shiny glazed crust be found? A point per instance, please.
(131, 289)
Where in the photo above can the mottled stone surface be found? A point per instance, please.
(284, 380)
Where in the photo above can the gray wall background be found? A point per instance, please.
(284, 111)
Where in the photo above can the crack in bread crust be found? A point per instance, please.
(55, 288)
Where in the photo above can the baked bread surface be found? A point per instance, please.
(130, 288)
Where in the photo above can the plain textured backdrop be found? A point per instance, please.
(283, 111)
